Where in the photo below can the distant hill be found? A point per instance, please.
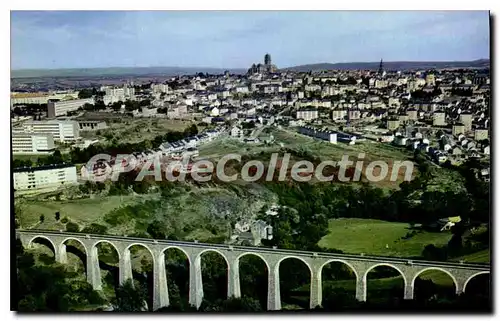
(392, 65)
(118, 71)
(173, 71)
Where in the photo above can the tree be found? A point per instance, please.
(42, 218)
(191, 131)
(85, 93)
(58, 215)
(155, 230)
(130, 297)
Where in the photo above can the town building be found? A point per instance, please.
(114, 94)
(61, 108)
(327, 135)
(25, 144)
(466, 119)
(91, 125)
(307, 114)
(50, 176)
(392, 124)
(61, 130)
(439, 119)
(457, 129)
(40, 97)
(480, 134)
(265, 68)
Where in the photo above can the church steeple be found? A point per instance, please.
(381, 68)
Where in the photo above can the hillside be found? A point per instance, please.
(118, 71)
(391, 65)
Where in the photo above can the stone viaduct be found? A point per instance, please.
(461, 273)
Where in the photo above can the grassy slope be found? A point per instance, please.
(83, 211)
(478, 257)
(371, 237)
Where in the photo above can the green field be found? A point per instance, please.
(478, 257)
(81, 211)
(376, 237)
(138, 129)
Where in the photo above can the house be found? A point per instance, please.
(456, 150)
(236, 132)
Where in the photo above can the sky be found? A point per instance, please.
(236, 39)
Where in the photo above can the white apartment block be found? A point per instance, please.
(61, 130)
(32, 144)
(113, 95)
(44, 177)
(160, 88)
(61, 108)
(308, 114)
(40, 97)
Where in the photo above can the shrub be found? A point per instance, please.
(95, 228)
(64, 220)
(72, 227)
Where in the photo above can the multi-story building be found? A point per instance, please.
(307, 114)
(159, 88)
(480, 134)
(113, 95)
(61, 108)
(457, 129)
(466, 119)
(40, 97)
(439, 119)
(339, 114)
(354, 114)
(50, 176)
(412, 114)
(32, 144)
(392, 124)
(61, 130)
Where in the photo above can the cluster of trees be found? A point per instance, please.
(49, 287)
(89, 93)
(98, 105)
(29, 110)
(426, 95)
(248, 125)
(54, 158)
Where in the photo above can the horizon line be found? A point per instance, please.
(233, 68)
